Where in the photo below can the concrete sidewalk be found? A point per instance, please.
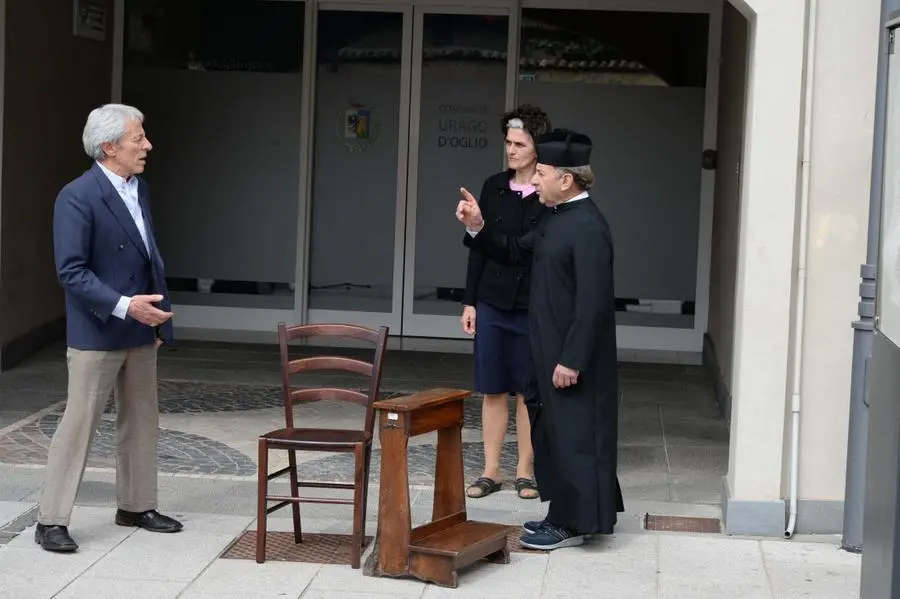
(115, 562)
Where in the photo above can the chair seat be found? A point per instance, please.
(317, 436)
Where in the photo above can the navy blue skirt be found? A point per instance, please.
(502, 354)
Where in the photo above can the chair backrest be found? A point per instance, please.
(291, 396)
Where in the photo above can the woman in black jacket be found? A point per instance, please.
(498, 295)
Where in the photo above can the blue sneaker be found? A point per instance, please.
(551, 537)
(532, 526)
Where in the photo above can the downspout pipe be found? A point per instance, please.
(808, 76)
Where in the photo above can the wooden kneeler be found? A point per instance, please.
(434, 551)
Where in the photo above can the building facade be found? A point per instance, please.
(308, 156)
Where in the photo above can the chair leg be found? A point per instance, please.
(359, 516)
(295, 492)
(262, 503)
(367, 463)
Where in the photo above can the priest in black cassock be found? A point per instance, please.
(573, 402)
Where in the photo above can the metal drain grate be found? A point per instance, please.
(681, 524)
(280, 547)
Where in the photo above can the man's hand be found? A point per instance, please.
(468, 320)
(158, 343)
(141, 309)
(468, 212)
(564, 377)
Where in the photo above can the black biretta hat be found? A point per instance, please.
(563, 148)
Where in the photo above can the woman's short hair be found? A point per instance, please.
(532, 119)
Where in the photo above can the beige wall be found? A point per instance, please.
(840, 170)
(732, 92)
(843, 87)
(765, 276)
(52, 80)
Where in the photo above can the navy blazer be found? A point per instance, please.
(100, 257)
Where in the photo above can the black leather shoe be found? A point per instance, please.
(150, 520)
(54, 538)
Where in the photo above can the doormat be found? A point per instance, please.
(320, 548)
(681, 524)
(512, 542)
(316, 548)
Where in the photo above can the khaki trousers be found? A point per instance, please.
(92, 377)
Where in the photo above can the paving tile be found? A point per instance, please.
(10, 510)
(201, 495)
(711, 568)
(32, 573)
(647, 431)
(706, 410)
(642, 459)
(321, 594)
(708, 460)
(97, 491)
(20, 483)
(101, 588)
(344, 579)
(638, 411)
(235, 579)
(695, 432)
(178, 557)
(653, 486)
(696, 487)
(521, 578)
(811, 570)
(216, 524)
(611, 567)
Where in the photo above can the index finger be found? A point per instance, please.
(466, 194)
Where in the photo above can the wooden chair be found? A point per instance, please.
(294, 439)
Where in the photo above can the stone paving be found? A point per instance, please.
(115, 562)
(215, 400)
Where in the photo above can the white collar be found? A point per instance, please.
(118, 181)
(581, 196)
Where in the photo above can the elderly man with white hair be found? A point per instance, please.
(117, 316)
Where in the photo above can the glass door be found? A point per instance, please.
(360, 133)
(220, 84)
(459, 93)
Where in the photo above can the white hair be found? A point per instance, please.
(107, 124)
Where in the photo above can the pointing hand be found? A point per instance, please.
(468, 212)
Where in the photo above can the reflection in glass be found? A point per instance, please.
(463, 96)
(634, 82)
(888, 302)
(356, 131)
(219, 83)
